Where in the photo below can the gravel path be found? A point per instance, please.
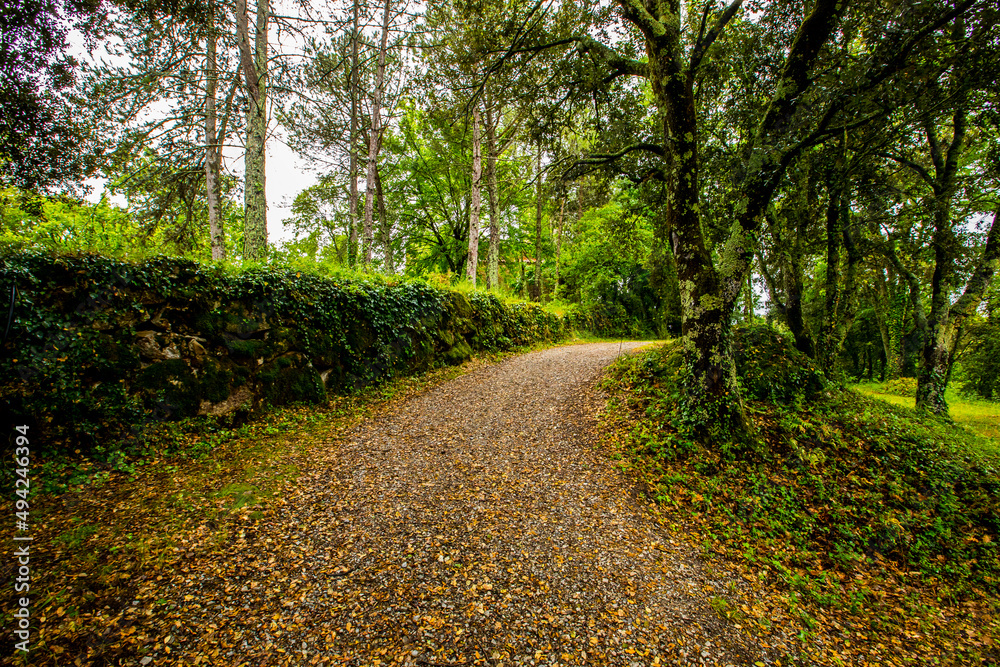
(476, 524)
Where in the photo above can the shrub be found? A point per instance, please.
(906, 387)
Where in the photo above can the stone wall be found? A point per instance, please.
(99, 349)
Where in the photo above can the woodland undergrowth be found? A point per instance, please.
(861, 522)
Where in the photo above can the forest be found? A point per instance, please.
(831, 169)
(718, 175)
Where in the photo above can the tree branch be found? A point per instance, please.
(923, 173)
(636, 12)
(983, 275)
(701, 47)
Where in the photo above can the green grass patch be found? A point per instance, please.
(982, 417)
(74, 537)
(853, 507)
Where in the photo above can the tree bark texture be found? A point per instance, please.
(254, 65)
(375, 138)
(212, 148)
(386, 226)
(559, 233)
(493, 254)
(709, 294)
(472, 260)
(352, 198)
(536, 281)
(941, 323)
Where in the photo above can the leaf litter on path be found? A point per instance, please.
(473, 524)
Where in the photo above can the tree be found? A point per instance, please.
(819, 89)
(254, 65)
(472, 261)
(159, 98)
(41, 131)
(375, 133)
(944, 161)
(213, 147)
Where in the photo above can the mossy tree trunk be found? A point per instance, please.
(472, 259)
(253, 61)
(890, 313)
(708, 292)
(493, 254)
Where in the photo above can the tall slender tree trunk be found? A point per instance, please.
(352, 199)
(386, 226)
(493, 254)
(536, 288)
(472, 261)
(559, 232)
(212, 148)
(841, 288)
(375, 138)
(254, 64)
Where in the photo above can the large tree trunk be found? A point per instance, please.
(712, 390)
(708, 295)
(472, 261)
(212, 148)
(254, 65)
(352, 198)
(375, 138)
(493, 254)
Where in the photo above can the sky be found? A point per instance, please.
(286, 177)
(286, 173)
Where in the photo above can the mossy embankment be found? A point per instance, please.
(867, 532)
(101, 351)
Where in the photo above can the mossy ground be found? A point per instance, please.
(859, 522)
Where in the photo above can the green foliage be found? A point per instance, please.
(771, 369)
(101, 350)
(844, 483)
(607, 271)
(901, 387)
(158, 224)
(981, 361)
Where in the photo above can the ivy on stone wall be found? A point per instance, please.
(99, 349)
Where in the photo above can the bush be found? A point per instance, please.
(906, 387)
(771, 369)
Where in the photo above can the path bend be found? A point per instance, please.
(475, 524)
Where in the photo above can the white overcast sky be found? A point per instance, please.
(286, 175)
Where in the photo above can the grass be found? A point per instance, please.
(981, 417)
(859, 524)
